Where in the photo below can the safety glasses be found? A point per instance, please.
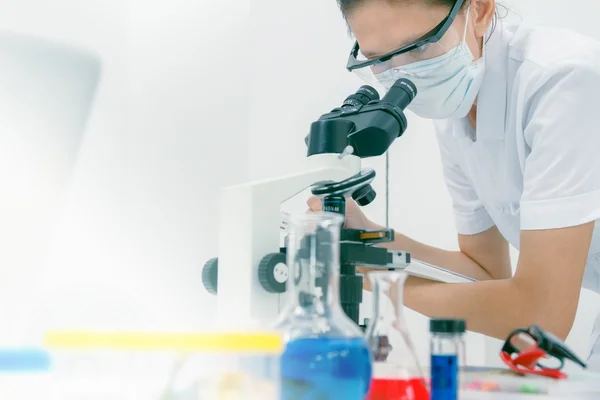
(423, 46)
(525, 349)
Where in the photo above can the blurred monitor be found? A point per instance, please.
(46, 93)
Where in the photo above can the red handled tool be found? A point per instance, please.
(540, 345)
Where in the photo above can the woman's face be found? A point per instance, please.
(381, 27)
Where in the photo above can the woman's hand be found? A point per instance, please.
(355, 218)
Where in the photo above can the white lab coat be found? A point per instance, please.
(534, 162)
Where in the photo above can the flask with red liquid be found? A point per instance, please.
(397, 374)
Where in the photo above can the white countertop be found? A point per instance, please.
(519, 396)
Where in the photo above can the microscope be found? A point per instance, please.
(250, 273)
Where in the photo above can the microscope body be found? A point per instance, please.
(250, 273)
(249, 231)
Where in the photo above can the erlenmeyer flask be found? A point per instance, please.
(326, 356)
(397, 374)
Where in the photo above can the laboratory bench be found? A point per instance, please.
(520, 396)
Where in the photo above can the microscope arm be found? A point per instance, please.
(249, 230)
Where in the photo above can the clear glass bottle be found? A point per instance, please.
(326, 356)
(397, 374)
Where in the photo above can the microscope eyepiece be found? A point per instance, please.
(364, 121)
(369, 92)
(401, 93)
(363, 96)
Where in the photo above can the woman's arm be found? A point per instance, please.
(545, 289)
(483, 256)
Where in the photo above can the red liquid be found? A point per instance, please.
(398, 389)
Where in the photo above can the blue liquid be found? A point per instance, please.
(444, 377)
(326, 369)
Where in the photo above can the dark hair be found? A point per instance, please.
(347, 6)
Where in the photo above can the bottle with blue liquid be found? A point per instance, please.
(447, 356)
(326, 356)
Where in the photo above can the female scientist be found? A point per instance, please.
(517, 115)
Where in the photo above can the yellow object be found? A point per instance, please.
(187, 342)
(373, 235)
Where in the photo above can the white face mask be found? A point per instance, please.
(447, 92)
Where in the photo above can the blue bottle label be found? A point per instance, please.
(444, 377)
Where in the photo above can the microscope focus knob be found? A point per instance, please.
(210, 275)
(273, 272)
(364, 196)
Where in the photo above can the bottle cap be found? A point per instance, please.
(447, 326)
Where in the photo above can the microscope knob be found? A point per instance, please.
(273, 272)
(210, 275)
(364, 196)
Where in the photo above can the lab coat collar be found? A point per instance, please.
(491, 101)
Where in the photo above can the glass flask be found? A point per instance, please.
(326, 356)
(397, 374)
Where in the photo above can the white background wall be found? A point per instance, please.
(167, 131)
(195, 97)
